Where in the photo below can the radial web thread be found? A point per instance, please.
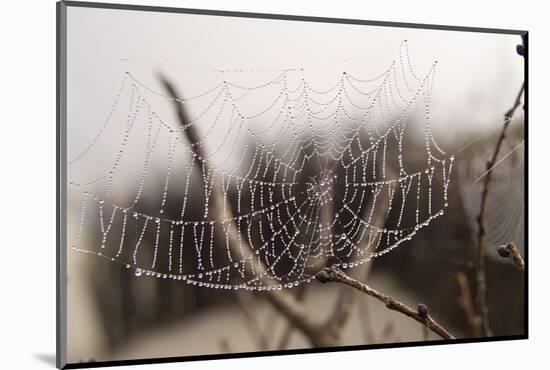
(262, 222)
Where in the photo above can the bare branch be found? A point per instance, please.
(481, 299)
(333, 274)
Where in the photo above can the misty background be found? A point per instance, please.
(477, 80)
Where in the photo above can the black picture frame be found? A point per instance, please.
(61, 188)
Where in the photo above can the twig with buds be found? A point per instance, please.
(421, 314)
(511, 251)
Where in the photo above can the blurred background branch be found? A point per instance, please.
(333, 274)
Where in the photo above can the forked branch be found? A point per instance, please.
(481, 299)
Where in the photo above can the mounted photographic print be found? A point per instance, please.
(237, 184)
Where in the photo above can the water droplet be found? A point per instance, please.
(138, 272)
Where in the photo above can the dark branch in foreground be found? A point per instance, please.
(481, 300)
(511, 251)
(333, 274)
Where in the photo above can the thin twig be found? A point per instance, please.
(481, 299)
(333, 274)
(511, 251)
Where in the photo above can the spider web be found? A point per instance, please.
(504, 216)
(288, 176)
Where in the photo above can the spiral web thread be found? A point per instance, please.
(352, 132)
(504, 216)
